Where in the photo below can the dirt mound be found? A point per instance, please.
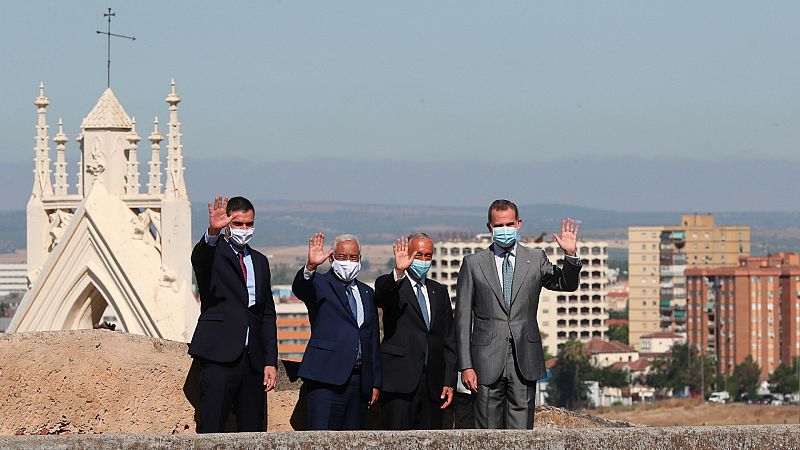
(100, 381)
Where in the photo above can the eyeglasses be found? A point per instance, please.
(354, 258)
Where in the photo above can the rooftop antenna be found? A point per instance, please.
(108, 33)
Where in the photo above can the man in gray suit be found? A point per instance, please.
(499, 348)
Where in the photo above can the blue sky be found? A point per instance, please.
(506, 82)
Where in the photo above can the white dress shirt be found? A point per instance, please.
(414, 284)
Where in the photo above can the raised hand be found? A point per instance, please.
(402, 260)
(218, 218)
(568, 240)
(316, 251)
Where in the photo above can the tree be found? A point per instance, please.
(682, 366)
(566, 388)
(609, 376)
(618, 333)
(744, 379)
(784, 379)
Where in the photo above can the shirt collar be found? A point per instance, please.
(414, 281)
(499, 251)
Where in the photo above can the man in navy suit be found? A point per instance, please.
(235, 342)
(341, 367)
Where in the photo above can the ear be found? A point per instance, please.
(489, 227)
(519, 224)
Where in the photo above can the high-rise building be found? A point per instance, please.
(752, 309)
(577, 315)
(657, 258)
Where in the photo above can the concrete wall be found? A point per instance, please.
(723, 438)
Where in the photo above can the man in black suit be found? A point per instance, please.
(235, 341)
(341, 367)
(418, 349)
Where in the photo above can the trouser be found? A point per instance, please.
(332, 407)
(412, 411)
(235, 384)
(509, 401)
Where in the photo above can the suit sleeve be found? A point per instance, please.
(269, 329)
(202, 259)
(450, 372)
(386, 289)
(465, 292)
(555, 278)
(304, 289)
(377, 370)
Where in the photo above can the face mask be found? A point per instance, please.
(504, 236)
(240, 236)
(346, 270)
(419, 268)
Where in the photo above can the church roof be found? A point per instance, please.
(107, 113)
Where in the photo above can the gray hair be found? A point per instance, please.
(346, 238)
(418, 234)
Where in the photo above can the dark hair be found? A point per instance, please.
(502, 205)
(240, 204)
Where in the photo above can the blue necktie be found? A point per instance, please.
(508, 276)
(351, 299)
(423, 306)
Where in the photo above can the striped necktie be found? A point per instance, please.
(508, 277)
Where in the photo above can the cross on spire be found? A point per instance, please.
(108, 33)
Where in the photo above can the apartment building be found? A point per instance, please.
(657, 258)
(577, 315)
(752, 309)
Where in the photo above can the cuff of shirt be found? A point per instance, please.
(307, 274)
(574, 260)
(394, 274)
(211, 240)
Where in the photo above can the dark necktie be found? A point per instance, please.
(351, 299)
(423, 306)
(508, 277)
(241, 264)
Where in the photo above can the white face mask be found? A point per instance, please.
(240, 236)
(346, 270)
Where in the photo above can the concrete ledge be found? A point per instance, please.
(723, 438)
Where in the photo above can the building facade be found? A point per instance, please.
(752, 309)
(579, 315)
(657, 258)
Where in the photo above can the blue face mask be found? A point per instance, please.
(504, 236)
(419, 268)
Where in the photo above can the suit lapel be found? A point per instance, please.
(432, 294)
(489, 269)
(338, 287)
(410, 293)
(230, 255)
(522, 265)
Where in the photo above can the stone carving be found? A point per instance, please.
(59, 220)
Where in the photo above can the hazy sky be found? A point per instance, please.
(511, 82)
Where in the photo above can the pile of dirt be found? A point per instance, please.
(101, 381)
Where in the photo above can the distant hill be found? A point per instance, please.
(285, 223)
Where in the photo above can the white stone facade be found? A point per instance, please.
(577, 315)
(105, 244)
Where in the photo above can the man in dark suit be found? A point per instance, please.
(418, 348)
(235, 341)
(499, 346)
(341, 367)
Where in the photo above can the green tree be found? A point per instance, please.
(566, 388)
(618, 333)
(744, 379)
(609, 376)
(784, 379)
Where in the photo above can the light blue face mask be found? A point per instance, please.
(504, 236)
(419, 268)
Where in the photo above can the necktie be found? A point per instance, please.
(423, 306)
(351, 299)
(508, 276)
(241, 264)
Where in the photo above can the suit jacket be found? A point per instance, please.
(331, 351)
(224, 315)
(406, 338)
(482, 322)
